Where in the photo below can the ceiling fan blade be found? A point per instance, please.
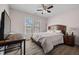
(44, 7)
(39, 10)
(48, 11)
(50, 7)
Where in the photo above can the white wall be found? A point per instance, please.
(2, 7)
(18, 21)
(69, 18)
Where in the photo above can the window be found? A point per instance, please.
(29, 21)
(28, 25)
(32, 25)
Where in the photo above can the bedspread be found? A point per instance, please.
(48, 40)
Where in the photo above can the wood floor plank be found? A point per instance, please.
(33, 49)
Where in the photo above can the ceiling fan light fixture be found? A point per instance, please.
(45, 8)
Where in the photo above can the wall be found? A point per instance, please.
(2, 7)
(69, 18)
(18, 21)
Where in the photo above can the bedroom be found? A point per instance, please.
(40, 27)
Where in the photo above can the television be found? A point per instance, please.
(5, 25)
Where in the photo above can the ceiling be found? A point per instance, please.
(31, 8)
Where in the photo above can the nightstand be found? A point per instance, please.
(69, 40)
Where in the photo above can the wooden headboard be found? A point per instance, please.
(59, 27)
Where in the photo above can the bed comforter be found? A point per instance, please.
(48, 40)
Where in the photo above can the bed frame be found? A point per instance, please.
(38, 43)
(59, 27)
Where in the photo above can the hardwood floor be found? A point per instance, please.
(33, 49)
(65, 50)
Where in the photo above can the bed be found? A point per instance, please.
(47, 40)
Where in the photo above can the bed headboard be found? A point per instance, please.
(58, 27)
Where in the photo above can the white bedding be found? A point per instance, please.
(48, 39)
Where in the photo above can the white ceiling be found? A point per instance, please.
(31, 8)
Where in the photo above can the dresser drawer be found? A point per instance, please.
(69, 40)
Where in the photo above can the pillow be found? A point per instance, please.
(50, 31)
(58, 31)
(55, 28)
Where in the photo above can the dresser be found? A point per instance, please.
(69, 39)
(6, 43)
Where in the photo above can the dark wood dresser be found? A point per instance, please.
(6, 43)
(69, 39)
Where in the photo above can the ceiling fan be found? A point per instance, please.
(45, 8)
